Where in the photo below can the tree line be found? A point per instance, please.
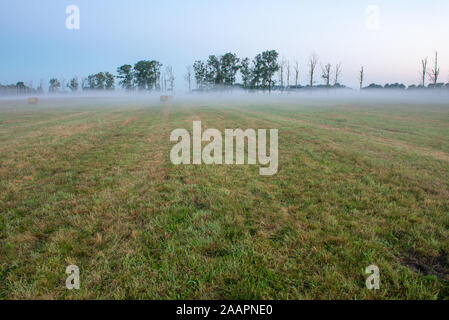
(266, 71)
(144, 75)
(221, 71)
(430, 73)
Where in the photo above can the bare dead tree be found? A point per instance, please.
(41, 86)
(435, 73)
(424, 71)
(188, 77)
(362, 77)
(83, 83)
(281, 72)
(338, 70)
(326, 74)
(63, 84)
(296, 73)
(313, 60)
(288, 74)
(170, 78)
(162, 82)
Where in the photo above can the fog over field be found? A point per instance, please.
(426, 98)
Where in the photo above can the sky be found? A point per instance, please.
(35, 43)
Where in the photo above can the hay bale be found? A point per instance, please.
(33, 100)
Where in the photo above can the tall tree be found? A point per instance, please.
(109, 80)
(73, 84)
(91, 82)
(246, 72)
(281, 72)
(54, 85)
(424, 71)
(147, 74)
(271, 66)
(40, 89)
(84, 84)
(214, 74)
(63, 85)
(170, 76)
(266, 66)
(338, 71)
(361, 77)
(296, 73)
(200, 70)
(100, 81)
(21, 87)
(313, 60)
(326, 74)
(435, 72)
(188, 77)
(229, 65)
(126, 74)
(256, 73)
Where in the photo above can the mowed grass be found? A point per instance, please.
(90, 183)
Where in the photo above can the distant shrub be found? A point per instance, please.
(373, 86)
(396, 86)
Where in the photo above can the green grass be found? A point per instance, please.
(89, 182)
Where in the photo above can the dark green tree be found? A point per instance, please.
(265, 67)
(126, 74)
(229, 66)
(247, 72)
(54, 85)
(214, 74)
(97, 81)
(109, 81)
(200, 71)
(73, 85)
(91, 82)
(147, 74)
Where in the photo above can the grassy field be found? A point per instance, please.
(90, 183)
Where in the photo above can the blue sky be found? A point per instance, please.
(35, 43)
